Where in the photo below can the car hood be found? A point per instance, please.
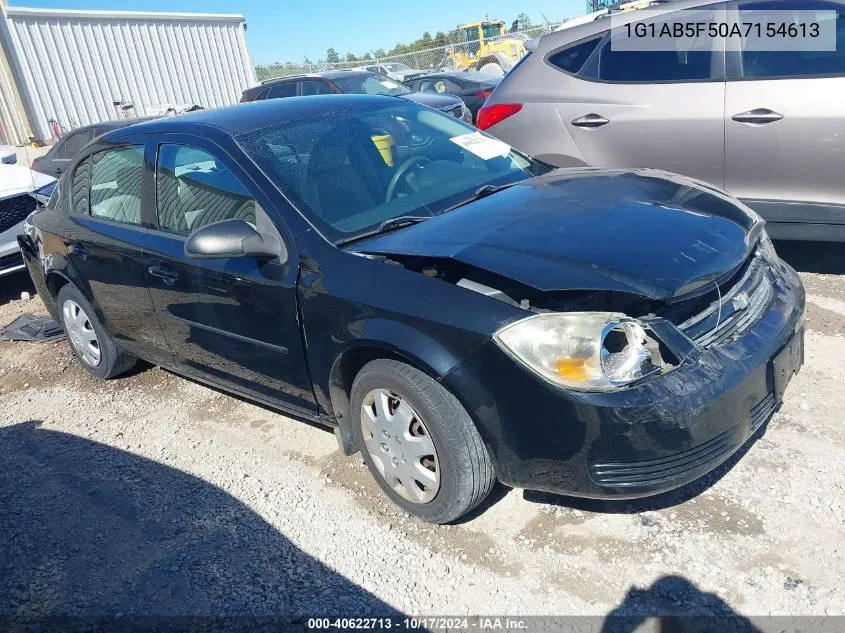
(16, 180)
(432, 99)
(647, 232)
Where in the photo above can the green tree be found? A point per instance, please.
(524, 21)
(351, 57)
(439, 39)
(332, 57)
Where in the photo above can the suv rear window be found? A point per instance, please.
(572, 59)
(652, 66)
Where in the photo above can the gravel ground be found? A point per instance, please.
(152, 494)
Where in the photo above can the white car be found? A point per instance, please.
(20, 190)
(394, 70)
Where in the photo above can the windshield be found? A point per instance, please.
(371, 84)
(349, 171)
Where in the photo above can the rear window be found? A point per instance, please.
(572, 59)
(653, 66)
(280, 91)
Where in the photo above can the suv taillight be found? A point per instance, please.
(483, 94)
(490, 115)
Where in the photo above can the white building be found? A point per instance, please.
(72, 67)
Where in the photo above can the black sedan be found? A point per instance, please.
(354, 82)
(472, 87)
(453, 309)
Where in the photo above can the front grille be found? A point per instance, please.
(740, 307)
(14, 210)
(654, 471)
(11, 261)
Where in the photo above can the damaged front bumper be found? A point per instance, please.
(648, 438)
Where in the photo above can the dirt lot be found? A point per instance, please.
(153, 494)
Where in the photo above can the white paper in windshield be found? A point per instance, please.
(389, 84)
(482, 146)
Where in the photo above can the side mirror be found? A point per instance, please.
(233, 238)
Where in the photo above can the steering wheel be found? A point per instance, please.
(401, 171)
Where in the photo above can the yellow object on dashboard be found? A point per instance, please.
(384, 144)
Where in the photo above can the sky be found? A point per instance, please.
(279, 30)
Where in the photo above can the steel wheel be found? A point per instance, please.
(81, 333)
(400, 446)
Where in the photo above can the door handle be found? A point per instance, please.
(79, 250)
(167, 276)
(758, 116)
(590, 121)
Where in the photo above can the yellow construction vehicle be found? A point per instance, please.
(486, 48)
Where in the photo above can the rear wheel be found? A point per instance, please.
(419, 442)
(89, 341)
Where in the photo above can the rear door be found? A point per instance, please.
(106, 242)
(232, 321)
(785, 113)
(662, 109)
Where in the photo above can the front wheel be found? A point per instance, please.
(418, 442)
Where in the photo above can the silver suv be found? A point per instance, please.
(769, 127)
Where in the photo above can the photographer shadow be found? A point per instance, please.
(673, 604)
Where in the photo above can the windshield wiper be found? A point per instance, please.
(385, 227)
(481, 192)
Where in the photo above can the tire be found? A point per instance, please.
(491, 68)
(85, 333)
(460, 463)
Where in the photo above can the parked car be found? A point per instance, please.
(473, 88)
(57, 159)
(353, 82)
(18, 185)
(757, 123)
(394, 70)
(469, 314)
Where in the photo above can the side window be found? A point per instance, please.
(573, 58)
(74, 143)
(116, 176)
(785, 64)
(314, 88)
(194, 189)
(690, 61)
(80, 188)
(281, 91)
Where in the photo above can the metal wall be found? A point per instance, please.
(72, 66)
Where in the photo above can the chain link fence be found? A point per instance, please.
(503, 51)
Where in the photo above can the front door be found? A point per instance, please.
(232, 321)
(784, 119)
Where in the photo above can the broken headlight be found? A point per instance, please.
(585, 351)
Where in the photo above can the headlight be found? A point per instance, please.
(585, 351)
(767, 249)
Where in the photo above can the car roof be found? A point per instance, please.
(111, 125)
(254, 115)
(601, 24)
